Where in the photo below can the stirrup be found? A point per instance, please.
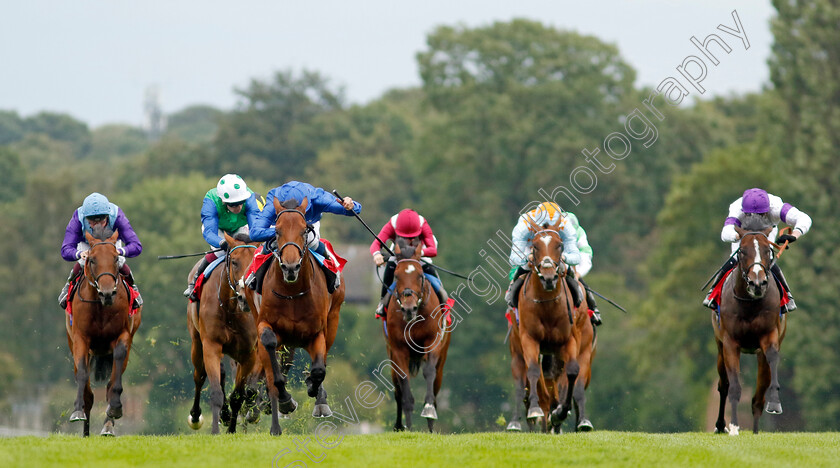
(791, 305)
(380, 312)
(189, 291)
(595, 317)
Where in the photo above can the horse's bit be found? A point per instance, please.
(421, 295)
(95, 282)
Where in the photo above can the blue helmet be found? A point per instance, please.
(96, 204)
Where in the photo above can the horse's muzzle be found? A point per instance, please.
(106, 298)
(290, 272)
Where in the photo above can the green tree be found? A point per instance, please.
(195, 124)
(14, 176)
(61, 127)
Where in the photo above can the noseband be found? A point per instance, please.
(228, 270)
(745, 272)
(421, 295)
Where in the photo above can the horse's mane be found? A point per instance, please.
(406, 251)
(101, 232)
(242, 237)
(290, 204)
(755, 222)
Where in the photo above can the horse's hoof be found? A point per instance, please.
(773, 408)
(253, 416)
(321, 411)
(195, 424)
(108, 431)
(535, 412)
(114, 412)
(585, 426)
(399, 428)
(514, 426)
(732, 429)
(78, 416)
(555, 430)
(429, 412)
(224, 416)
(288, 406)
(277, 431)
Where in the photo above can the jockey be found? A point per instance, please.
(412, 227)
(95, 211)
(229, 208)
(320, 202)
(757, 202)
(546, 214)
(584, 266)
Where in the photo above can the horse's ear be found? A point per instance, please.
(768, 231)
(114, 237)
(228, 238)
(277, 206)
(303, 205)
(740, 231)
(90, 238)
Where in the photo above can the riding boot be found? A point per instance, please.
(62, 296)
(381, 308)
(512, 293)
(333, 278)
(190, 291)
(728, 265)
(126, 272)
(777, 272)
(590, 301)
(577, 297)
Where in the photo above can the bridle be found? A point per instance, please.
(279, 251)
(228, 272)
(410, 292)
(745, 272)
(557, 266)
(95, 282)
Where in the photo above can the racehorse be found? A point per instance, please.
(546, 322)
(295, 311)
(221, 322)
(101, 329)
(750, 322)
(552, 381)
(415, 337)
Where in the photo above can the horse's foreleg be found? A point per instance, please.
(88, 405)
(517, 369)
(732, 361)
(723, 390)
(212, 365)
(81, 364)
(429, 373)
(402, 389)
(274, 379)
(224, 414)
(582, 423)
(318, 368)
(762, 383)
(572, 368)
(115, 386)
(531, 353)
(771, 346)
(238, 395)
(195, 420)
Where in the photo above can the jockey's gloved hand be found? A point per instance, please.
(223, 245)
(786, 238)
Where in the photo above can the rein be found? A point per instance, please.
(745, 271)
(554, 299)
(294, 296)
(554, 264)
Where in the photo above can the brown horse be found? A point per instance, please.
(416, 337)
(222, 323)
(546, 323)
(749, 322)
(295, 311)
(102, 329)
(552, 381)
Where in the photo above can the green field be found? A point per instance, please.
(614, 449)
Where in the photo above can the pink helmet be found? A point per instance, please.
(755, 200)
(408, 224)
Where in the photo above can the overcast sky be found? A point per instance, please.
(95, 59)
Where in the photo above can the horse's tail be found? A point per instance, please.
(414, 366)
(102, 366)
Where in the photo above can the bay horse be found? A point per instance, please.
(101, 329)
(222, 323)
(415, 337)
(295, 311)
(750, 321)
(546, 323)
(552, 381)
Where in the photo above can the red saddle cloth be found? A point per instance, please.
(131, 292)
(718, 290)
(335, 263)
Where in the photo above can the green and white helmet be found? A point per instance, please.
(232, 189)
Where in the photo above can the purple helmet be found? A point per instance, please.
(755, 200)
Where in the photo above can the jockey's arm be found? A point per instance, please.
(72, 237)
(571, 253)
(792, 216)
(132, 247)
(252, 211)
(430, 242)
(520, 247)
(324, 202)
(210, 223)
(262, 228)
